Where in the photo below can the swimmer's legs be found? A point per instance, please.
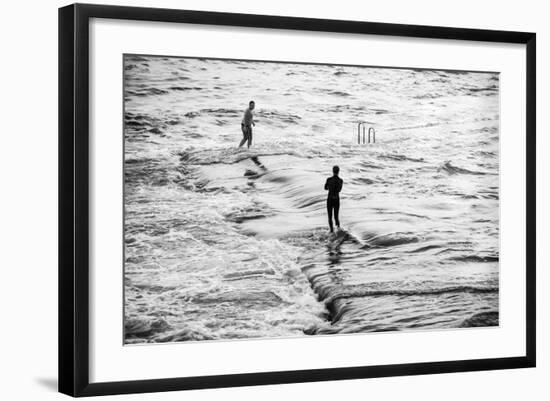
(336, 205)
(329, 212)
(245, 135)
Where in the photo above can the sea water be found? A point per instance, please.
(227, 243)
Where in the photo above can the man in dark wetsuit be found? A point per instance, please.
(333, 186)
(247, 123)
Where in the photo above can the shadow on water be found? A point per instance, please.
(253, 174)
(258, 163)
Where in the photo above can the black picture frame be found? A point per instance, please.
(74, 198)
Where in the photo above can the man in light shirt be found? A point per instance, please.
(247, 123)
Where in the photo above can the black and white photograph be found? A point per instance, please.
(275, 199)
(272, 201)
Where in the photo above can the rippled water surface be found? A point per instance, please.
(227, 243)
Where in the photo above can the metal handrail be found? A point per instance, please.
(367, 139)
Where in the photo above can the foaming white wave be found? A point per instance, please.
(204, 276)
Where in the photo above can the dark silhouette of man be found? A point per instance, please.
(333, 186)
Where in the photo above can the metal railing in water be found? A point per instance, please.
(365, 131)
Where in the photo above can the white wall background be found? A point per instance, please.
(28, 219)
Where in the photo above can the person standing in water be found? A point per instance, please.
(247, 123)
(333, 186)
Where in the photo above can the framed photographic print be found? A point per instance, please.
(251, 199)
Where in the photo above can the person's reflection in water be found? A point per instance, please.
(334, 254)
